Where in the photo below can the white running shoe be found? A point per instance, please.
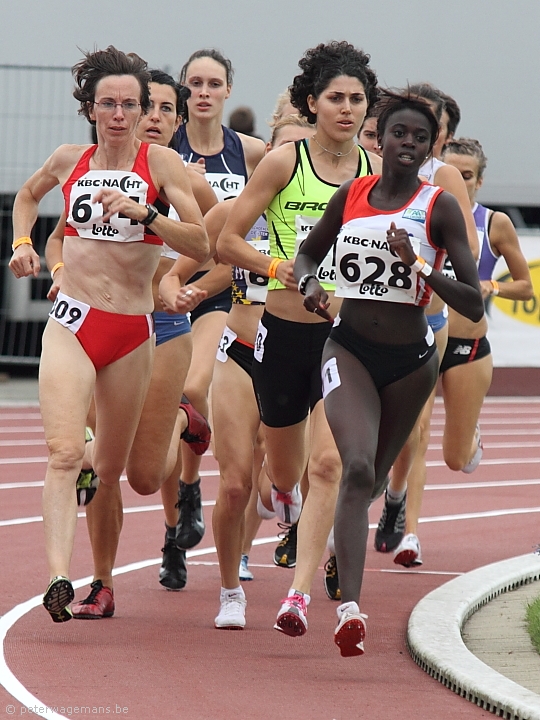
(475, 461)
(232, 613)
(287, 505)
(351, 630)
(262, 512)
(408, 552)
(244, 573)
(292, 616)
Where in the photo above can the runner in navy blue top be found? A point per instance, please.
(227, 159)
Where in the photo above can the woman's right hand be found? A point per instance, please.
(316, 300)
(25, 261)
(55, 287)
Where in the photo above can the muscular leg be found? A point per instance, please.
(464, 389)
(252, 519)
(370, 429)
(66, 384)
(285, 454)
(409, 471)
(120, 394)
(236, 422)
(324, 472)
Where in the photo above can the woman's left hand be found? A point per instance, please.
(116, 202)
(400, 245)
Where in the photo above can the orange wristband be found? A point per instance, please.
(495, 287)
(56, 267)
(273, 267)
(21, 241)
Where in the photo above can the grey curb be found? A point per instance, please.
(435, 643)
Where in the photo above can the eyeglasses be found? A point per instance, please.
(109, 106)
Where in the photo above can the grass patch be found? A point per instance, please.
(533, 622)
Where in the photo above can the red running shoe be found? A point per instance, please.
(197, 434)
(99, 604)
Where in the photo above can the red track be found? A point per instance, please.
(160, 656)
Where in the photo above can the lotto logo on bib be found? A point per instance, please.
(373, 271)
(86, 215)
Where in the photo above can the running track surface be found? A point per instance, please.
(160, 656)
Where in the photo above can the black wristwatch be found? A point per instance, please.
(302, 285)
(153, 212)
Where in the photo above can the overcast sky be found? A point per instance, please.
(483, 52)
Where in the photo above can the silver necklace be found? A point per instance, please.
(337, 154)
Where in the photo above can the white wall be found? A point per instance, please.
(483, 52)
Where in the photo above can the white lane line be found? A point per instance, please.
(19, 416)
(23, 461)
(22, 429)
(12, 685)
(492, 461)
(372, 526)
(127, 511)
(24, 443)
(440, 420)
(430, 463)
(492, 432)
(497, 445)
(480, 485)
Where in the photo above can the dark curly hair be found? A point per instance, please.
(392, 102)
(453, 112)
(320, 65)
(213, 54)
(103, 63)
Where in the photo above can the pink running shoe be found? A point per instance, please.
(292, 616)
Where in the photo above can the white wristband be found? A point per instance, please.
(421, 266)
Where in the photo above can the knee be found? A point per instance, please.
(65, 456)
(359, 474)
(107, 470)
(325, 467)
(235, 491)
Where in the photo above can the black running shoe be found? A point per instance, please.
(190, 528)
(173, 571)
(331, 579)
(391, 525)
(285, 552)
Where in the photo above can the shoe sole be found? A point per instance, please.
(229, 627)
(93, 617)
(407, 558)
(56, 600)
(172, 589)
(287, 565)
(349, 636)
(332, 596)
(290, 624)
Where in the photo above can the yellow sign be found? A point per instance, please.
(525, 311)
